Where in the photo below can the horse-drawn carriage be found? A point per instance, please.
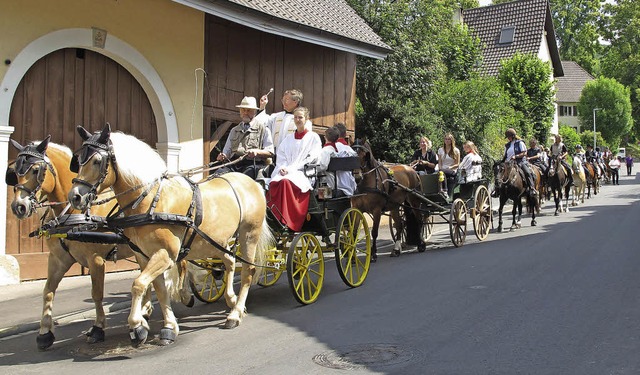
(469, 200)
(301, 254)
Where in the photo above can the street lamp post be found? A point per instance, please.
(594, 126)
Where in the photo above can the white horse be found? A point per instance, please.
(579, 181)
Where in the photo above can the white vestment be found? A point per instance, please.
(281, 124)
(293, 154)
(346, 181)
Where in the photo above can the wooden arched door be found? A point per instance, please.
(66, 88)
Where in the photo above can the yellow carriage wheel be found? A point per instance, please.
(207, 280)
(305, 268)
(458, 222)
(274, 266)
(482, 213)
(353, 253)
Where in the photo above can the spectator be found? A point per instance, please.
(614, 164)
(629, 162)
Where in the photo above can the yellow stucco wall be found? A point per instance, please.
(169, 35)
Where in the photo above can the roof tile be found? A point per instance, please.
(569, 87)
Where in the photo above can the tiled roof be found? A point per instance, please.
(331, 23)
(570, 86)
(531, 19)
(332, 16)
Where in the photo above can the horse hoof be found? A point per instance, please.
(45, 341)
(95, 334)
(534, 223)
(167, 336)
(189, 303)
(556, 214)
(395, 253)
(231, 324)
(138, 336)
(422, 247)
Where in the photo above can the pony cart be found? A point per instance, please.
(469, 200)
(302, 254)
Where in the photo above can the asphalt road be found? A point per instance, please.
(559, 298)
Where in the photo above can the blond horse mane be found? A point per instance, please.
(137, 162)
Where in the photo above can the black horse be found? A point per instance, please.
(558, 181)
(510, 184)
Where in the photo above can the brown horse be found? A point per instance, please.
(41, 170)
(591, 173)
(193, 220)
(558, 180)
(384, 189)
(510, 184)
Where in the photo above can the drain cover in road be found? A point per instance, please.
(356, 357)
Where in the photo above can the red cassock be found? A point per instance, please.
(288, 203)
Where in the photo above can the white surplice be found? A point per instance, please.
(293, 154)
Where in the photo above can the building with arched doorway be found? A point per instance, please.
(168, 72)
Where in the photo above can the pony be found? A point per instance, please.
(580, 181)
(382, 189)
(510, 184)
(558, 180)
(194, 220)
(41, 171)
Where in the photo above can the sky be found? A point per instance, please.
(484, 2)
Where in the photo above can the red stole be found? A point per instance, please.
(297, 135)
(331, 144)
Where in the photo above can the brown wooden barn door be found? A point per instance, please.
(66, 88)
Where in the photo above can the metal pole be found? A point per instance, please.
(594, 126)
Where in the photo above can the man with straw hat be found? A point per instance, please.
(250, 139)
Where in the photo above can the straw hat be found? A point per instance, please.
(248, 102)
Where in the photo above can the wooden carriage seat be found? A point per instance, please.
(430, 184)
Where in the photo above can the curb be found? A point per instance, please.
(63, 319)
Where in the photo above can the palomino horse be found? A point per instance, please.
(42, 170)
(558, 180)
(194, 220)
(510, 184)
(579, 181)
(378, 191)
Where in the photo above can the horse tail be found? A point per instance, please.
(266, 241)
(172, 282)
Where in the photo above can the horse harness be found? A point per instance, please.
(117, 221)
(25, 160)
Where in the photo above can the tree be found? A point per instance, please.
(586, 138)
(570, 137)
(526, 79)
(614, 119)
(476, 110)
(621, 58)
(576, 26)
(393, 94)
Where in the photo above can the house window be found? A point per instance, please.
(507, 35)
(568, 110)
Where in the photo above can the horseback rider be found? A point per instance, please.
(559, 150)
(590, 155)
(535, 155)
(517, 150)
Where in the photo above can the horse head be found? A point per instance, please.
(93, 162)
(554, 163)
(29, 178)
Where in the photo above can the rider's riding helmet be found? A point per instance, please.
(511, 132)
(578, 147)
